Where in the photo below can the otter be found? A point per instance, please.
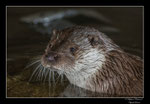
(91, 60)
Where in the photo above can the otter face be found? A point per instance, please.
(79, 52)
(59, 59)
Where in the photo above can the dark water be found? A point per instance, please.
(24, 43)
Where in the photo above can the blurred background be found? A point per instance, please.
(29, 30)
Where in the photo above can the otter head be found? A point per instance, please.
(75, 50)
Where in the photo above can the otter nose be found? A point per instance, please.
(51, 57)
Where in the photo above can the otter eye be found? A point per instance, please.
(72, 49)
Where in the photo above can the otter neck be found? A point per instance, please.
(79, 79)
(84, 72)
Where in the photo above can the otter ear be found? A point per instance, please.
(54, 31)
(53, 35)
(94, 40)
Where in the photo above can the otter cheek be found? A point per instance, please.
(67, 62)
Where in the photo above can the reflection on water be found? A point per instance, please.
(123, 25)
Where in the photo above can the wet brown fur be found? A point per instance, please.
(121, 74)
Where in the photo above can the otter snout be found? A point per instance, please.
(52, 56)
(49, 59)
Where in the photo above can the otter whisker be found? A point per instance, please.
(46, 73)
(42, 74)
(39, 74)
(62, 76)
(53, 76)
(37, 79)
(57, 79)
(32, 64)
(49, 81)
(50, 74)
(34, 72)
